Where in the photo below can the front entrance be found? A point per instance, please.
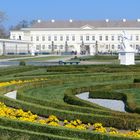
(85, 49)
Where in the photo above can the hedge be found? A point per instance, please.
(13, 70)
(63, 114)
(109, 93)
(60, 131)
(75, 108)
(8, 133)
(69, 115)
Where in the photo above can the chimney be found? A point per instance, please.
(107, 20)
(71, 20)
(52, 20)
(124, 20)
(38, 20)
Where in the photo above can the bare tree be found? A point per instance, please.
(3, 17)
(34, 21)
(21, 24)
(3, 33)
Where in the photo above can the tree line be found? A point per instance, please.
(22, 24)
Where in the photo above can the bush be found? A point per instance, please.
(22, 63)
(50, 132)
(8, 133)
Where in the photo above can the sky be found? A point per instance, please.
(17, 10)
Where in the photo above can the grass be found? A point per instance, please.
(42, 58)
(61, 78)
(97, 57)
(135, 92)
(12, 56)
(113, 59)
(56, 93)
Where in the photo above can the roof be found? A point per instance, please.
(16, 41)
(91, 23)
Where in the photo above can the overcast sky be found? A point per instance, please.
(18, 10)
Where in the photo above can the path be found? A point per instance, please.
(11, 94)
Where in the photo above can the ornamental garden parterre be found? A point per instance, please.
(46, 106)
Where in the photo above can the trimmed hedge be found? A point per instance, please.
(70, 112)
(63, 114)
(60, 131)
(8, 133)
(108, 92)
(22, 96)
(69, 115)
(13, 70)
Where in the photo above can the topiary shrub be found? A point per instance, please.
(22, 63)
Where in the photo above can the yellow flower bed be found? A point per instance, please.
(17, 82)
(52, 120)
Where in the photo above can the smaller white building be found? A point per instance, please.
(127, 53)
(15, 47)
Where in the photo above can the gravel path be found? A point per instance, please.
(11, 94)
(116, 105)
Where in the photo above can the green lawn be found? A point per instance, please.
(13, 56)
(52, 97)
(135, 92)
(98, 57)
(42, 58)
(56, 93)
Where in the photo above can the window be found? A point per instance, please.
(50, 46)
(61, 38)
(112, 38)
(43, 38)
(119, 46)
(93, 37)
(106, 46)
(37, 38)
(55, 46)
(55, 38)
(31, 38)
(112, 46)
(61, 46)
(73, 38)
(19, 37)
(81, 38)
(100, 38)
(106, 38)
(67, 38)
(14, 37)
(137, 37)
(119, 38)
(137, 47)
(87, 38)
(131, 37)
(43, 47)
(49, 38)
(37, 47)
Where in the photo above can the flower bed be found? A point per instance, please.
(19, 82)
(19, 114)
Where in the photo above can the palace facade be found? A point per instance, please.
(81, 37)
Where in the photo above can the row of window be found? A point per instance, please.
(55, 38)
(87, 38)
(39, 47)
(119, 46)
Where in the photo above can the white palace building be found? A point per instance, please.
(80, 37)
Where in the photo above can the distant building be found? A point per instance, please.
(82, 37)
(13, 47)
